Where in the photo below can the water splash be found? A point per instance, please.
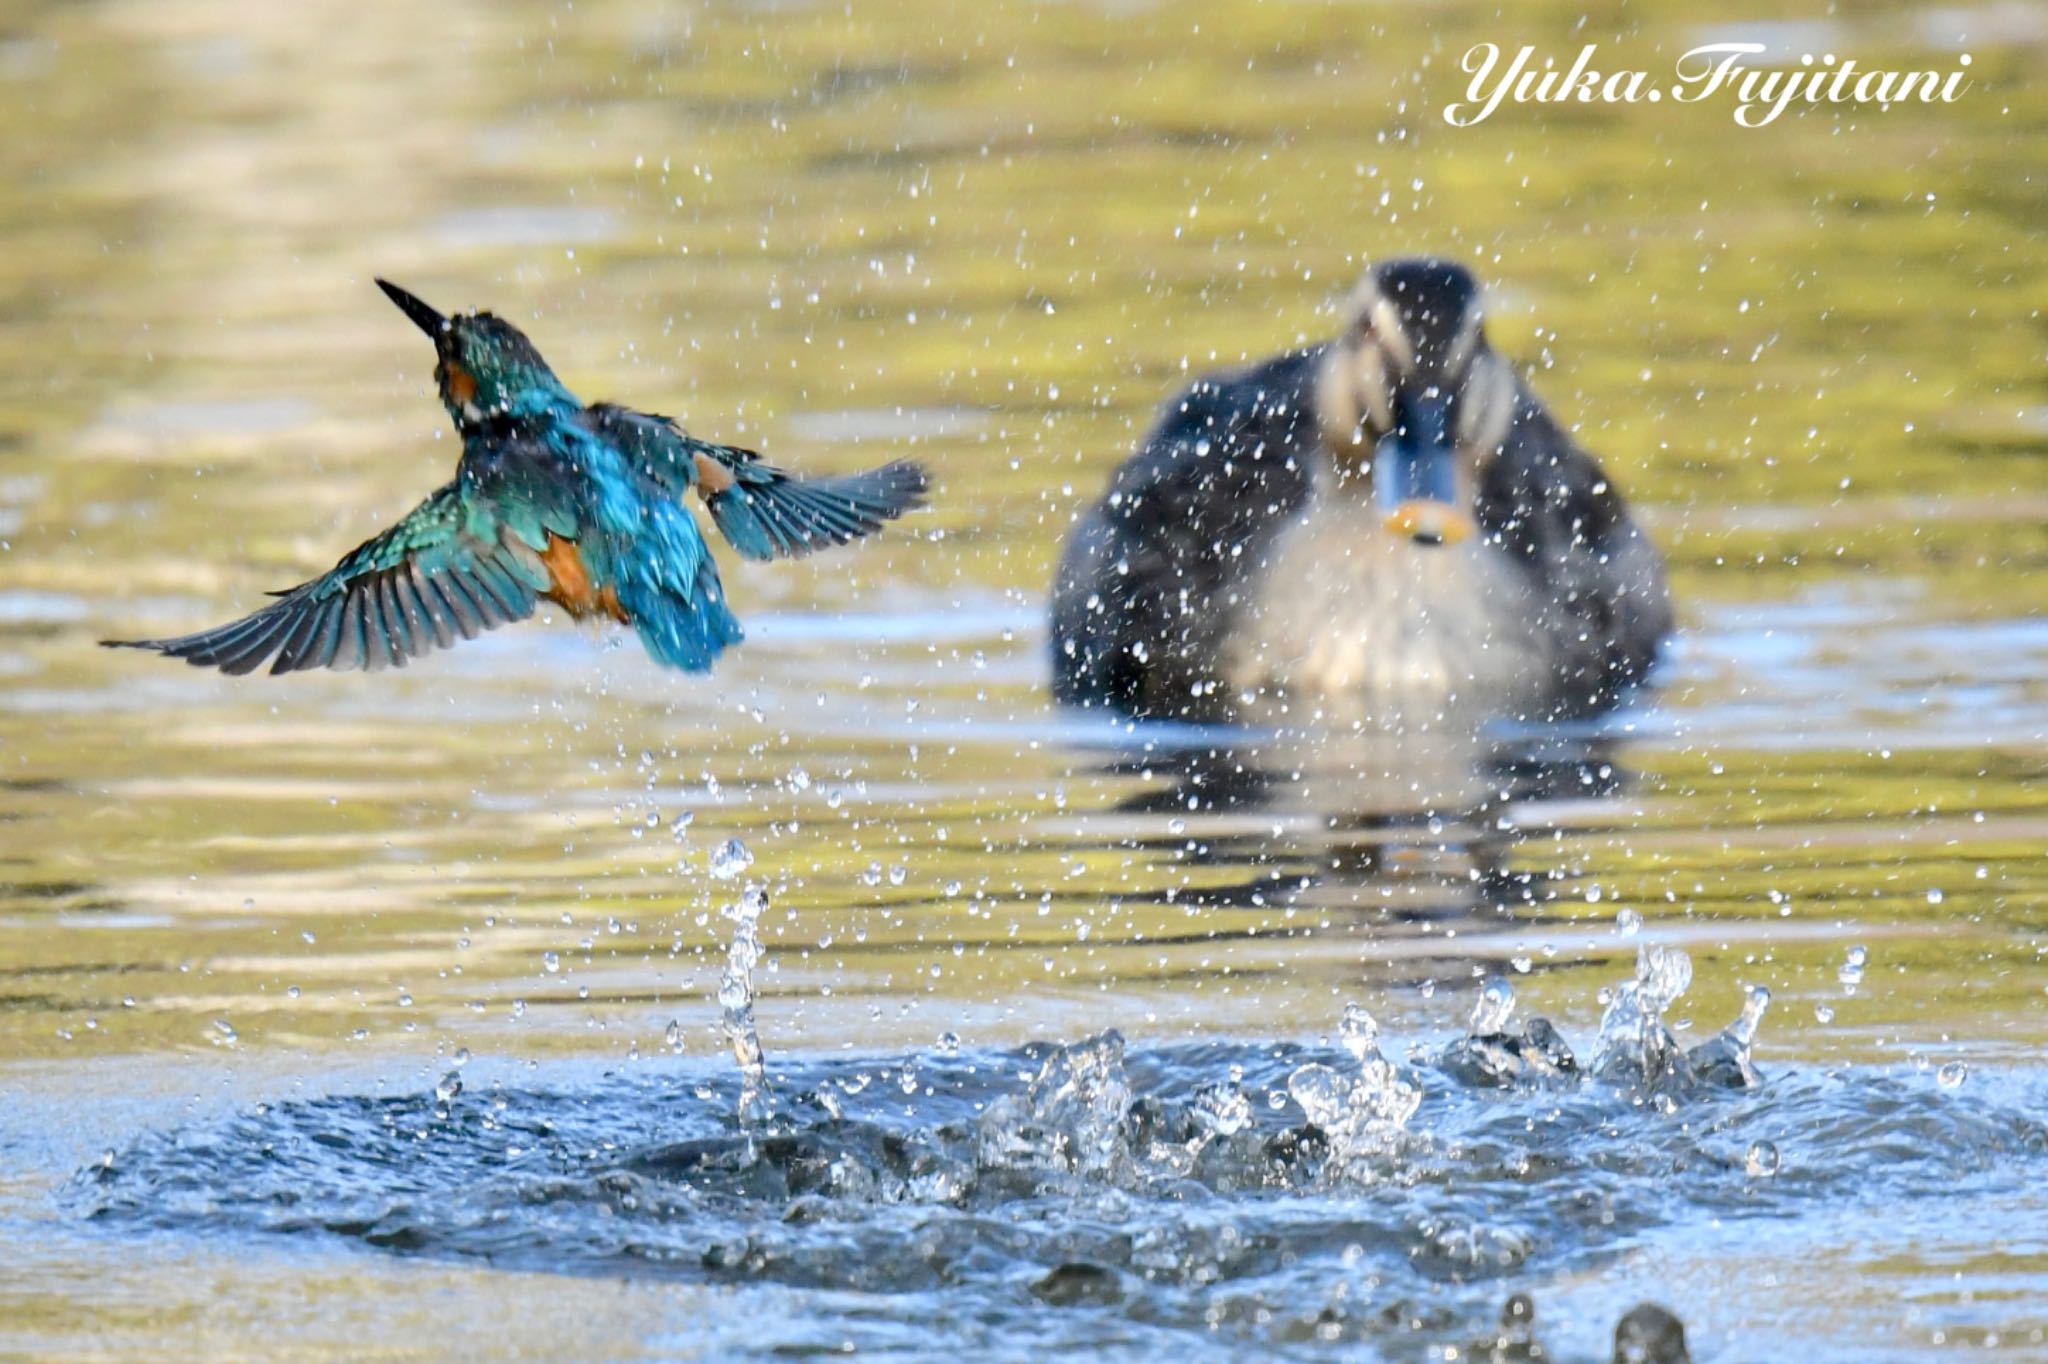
(1362, 1118)
(736, 1002)
(1147, 1184)
(1071, 1117)
(1723, 1059)
(1636, 1049)
(1491, 1054)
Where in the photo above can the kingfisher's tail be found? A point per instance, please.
(767, 512)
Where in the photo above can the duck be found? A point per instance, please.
(1385, 531)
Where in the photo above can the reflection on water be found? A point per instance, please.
(1416, 839)
(1001, 241)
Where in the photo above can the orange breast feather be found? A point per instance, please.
(571, 587)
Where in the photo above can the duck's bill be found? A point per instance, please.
(1415, 476)
(1429, 523)
(416, 308)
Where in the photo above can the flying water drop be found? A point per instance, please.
(730, 859)
(1491, 1011)
(736, 998)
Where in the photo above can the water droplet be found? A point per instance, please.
(551, 962)
(1222, 1108)
(898, 874)
(225, 1031)
(1761, 1161)
(449, 1086)
(948, 1043)
(736, 996)
(1823, 1013)
(1952, 1075)
(1490, 1012)
(1755, 1000)
(1665, 973)
(1359, 1031)
(729, 859)
(1628, 922)
(1853, 963)
(672, 1036)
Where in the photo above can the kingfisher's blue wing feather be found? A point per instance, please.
(767, 512)
(763, 511)
(451, 569)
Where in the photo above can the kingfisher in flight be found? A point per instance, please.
(552, 499)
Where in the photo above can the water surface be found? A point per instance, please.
(1810, 353)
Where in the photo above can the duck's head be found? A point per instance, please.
(1412, 400)
(485, 366)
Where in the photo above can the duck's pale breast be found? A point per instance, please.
(1352, 626)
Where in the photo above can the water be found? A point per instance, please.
(736, 1001)
(1320, 1195)
(999, 244)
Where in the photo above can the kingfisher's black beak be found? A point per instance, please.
(1415, 473)
(414, 307)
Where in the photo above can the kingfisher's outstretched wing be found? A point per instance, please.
(764, 512)
(451, 569)
(761, 510)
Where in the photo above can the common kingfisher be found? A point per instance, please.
(1385, 529)
(580, 505)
